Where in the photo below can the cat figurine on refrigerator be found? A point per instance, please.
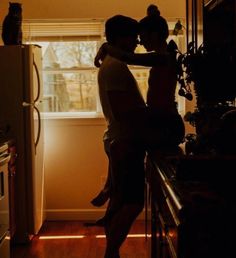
(11, 27)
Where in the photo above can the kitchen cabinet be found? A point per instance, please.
(193, 207)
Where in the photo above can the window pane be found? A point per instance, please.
(69, 76)
(70, 54)
(70, 91)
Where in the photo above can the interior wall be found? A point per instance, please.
(76, 9)
(75, 167)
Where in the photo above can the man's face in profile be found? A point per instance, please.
(129, 43)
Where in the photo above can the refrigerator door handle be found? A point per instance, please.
(38, 82)
(27, 104)
(39, 127)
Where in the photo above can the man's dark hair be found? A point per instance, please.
(120, 26)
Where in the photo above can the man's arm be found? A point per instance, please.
(145, 59)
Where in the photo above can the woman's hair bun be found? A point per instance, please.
(153, 10)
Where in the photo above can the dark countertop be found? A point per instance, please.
(196, 203)
(199, 177)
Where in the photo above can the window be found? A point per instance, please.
(69, 76)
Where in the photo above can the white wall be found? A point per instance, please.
(75, 165)
(75, 162)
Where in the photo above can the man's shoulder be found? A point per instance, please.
(109, 60)
(113, 68)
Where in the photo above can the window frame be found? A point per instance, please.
(76, 30)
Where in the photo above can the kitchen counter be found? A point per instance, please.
(193, 206)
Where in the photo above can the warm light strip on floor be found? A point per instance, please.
(83, 236)
(61, 237)
(129, 236)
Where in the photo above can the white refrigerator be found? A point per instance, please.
(20, 109)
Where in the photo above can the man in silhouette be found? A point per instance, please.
(125, 112)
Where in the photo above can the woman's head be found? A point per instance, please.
(153, 28)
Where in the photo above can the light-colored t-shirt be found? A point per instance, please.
(114, 75)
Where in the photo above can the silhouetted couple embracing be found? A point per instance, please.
(134, 127)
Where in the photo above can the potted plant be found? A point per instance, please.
(210, 73)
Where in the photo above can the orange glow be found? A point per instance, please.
(61, 237)
(83, 236)
(129, 236)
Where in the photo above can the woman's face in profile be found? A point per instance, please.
(150, 40)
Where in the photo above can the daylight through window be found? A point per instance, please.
(69, 76)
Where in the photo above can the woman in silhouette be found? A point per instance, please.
(165, 129)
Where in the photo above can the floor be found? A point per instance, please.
(71, 239)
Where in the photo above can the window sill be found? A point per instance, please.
(73, 119)
(71, 115)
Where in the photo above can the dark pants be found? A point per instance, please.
(127, 174)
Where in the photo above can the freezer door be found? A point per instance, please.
(37, 75)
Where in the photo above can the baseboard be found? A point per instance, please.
(79, 214)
